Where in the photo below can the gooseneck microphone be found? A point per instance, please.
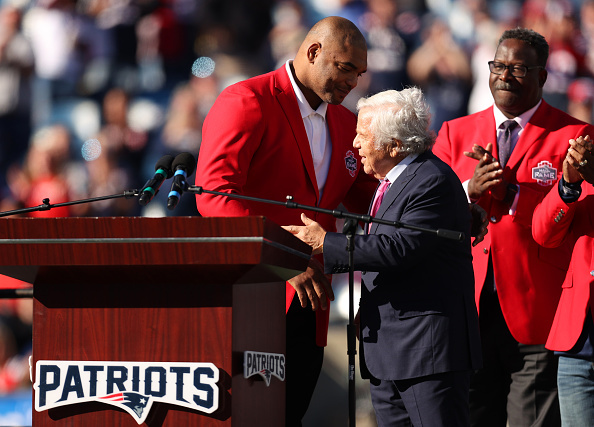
(163, 171)
(184, 165)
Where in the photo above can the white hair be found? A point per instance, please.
(400, 115)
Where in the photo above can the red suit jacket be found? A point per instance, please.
(254, 143)
(555, 223)
(528, 276)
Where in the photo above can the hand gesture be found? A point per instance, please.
(579, 161)
(312, 233)
(487, 174)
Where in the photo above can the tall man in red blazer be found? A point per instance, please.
(564, 216)
(284, 133)
(518, 283)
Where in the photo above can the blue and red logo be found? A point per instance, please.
(131, 386)
(351, 163)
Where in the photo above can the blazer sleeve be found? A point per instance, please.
(231, 134)
(399, 248)
(555, 222)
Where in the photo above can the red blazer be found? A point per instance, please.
(555, 223)
(528, 276)
(254, 143)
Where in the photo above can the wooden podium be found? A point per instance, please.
(111, 294)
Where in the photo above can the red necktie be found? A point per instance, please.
(379, 195)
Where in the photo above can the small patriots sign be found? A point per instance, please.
(264, 364)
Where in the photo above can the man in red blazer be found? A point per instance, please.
(564, 216)
(518, 283)
(284, 133)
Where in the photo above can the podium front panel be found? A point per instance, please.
(169, 292)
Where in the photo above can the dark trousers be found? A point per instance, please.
(518, 382)
(439, 400)
(303, 361)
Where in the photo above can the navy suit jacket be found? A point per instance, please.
(418, 315)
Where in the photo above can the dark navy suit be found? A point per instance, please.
(419, 326)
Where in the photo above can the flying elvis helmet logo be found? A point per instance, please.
(131, 386)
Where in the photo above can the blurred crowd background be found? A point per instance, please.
(94, 92)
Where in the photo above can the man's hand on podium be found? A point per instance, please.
(314, 285)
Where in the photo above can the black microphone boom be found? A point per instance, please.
(184, 165)
(163, 171)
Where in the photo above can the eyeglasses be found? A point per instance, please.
(516, 70)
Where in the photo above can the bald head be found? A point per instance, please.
(335, 30)
(330, 60)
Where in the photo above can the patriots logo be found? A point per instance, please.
(544, 173)
(136, 403)
(267, 374)
(351, 163)
(265, 365)
(130, 386)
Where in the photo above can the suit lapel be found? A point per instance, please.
(288, 102)
(487, 131)
(397, 187)
(342, 152)
(532, 134)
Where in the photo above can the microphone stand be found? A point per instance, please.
(46, 206)
(349, 229)
(440, 232)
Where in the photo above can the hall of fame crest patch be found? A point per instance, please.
(351, 163)
(544, 173)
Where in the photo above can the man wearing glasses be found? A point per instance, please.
(508, 158)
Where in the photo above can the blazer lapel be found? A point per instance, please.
(532, 134)
(288, 102)
(339, 175)
(396, 188)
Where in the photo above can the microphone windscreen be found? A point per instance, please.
(165, 163)
(186, 161)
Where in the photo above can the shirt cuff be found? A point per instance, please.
(569, 192)
(465, 185)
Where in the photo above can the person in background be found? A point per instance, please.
(564, 216)
(580, 99)
(16, 71)
(518, 282)
(442, 69)
(43, 173)
(284, 133)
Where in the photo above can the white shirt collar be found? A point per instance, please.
(399, 168)
(522, 119)
(304, 106)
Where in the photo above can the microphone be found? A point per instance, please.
(163, 171)
(184, 165)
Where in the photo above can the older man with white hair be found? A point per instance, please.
(419, 336)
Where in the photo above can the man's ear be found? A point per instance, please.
(395, 148)
(312, 51)
(542, 77)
